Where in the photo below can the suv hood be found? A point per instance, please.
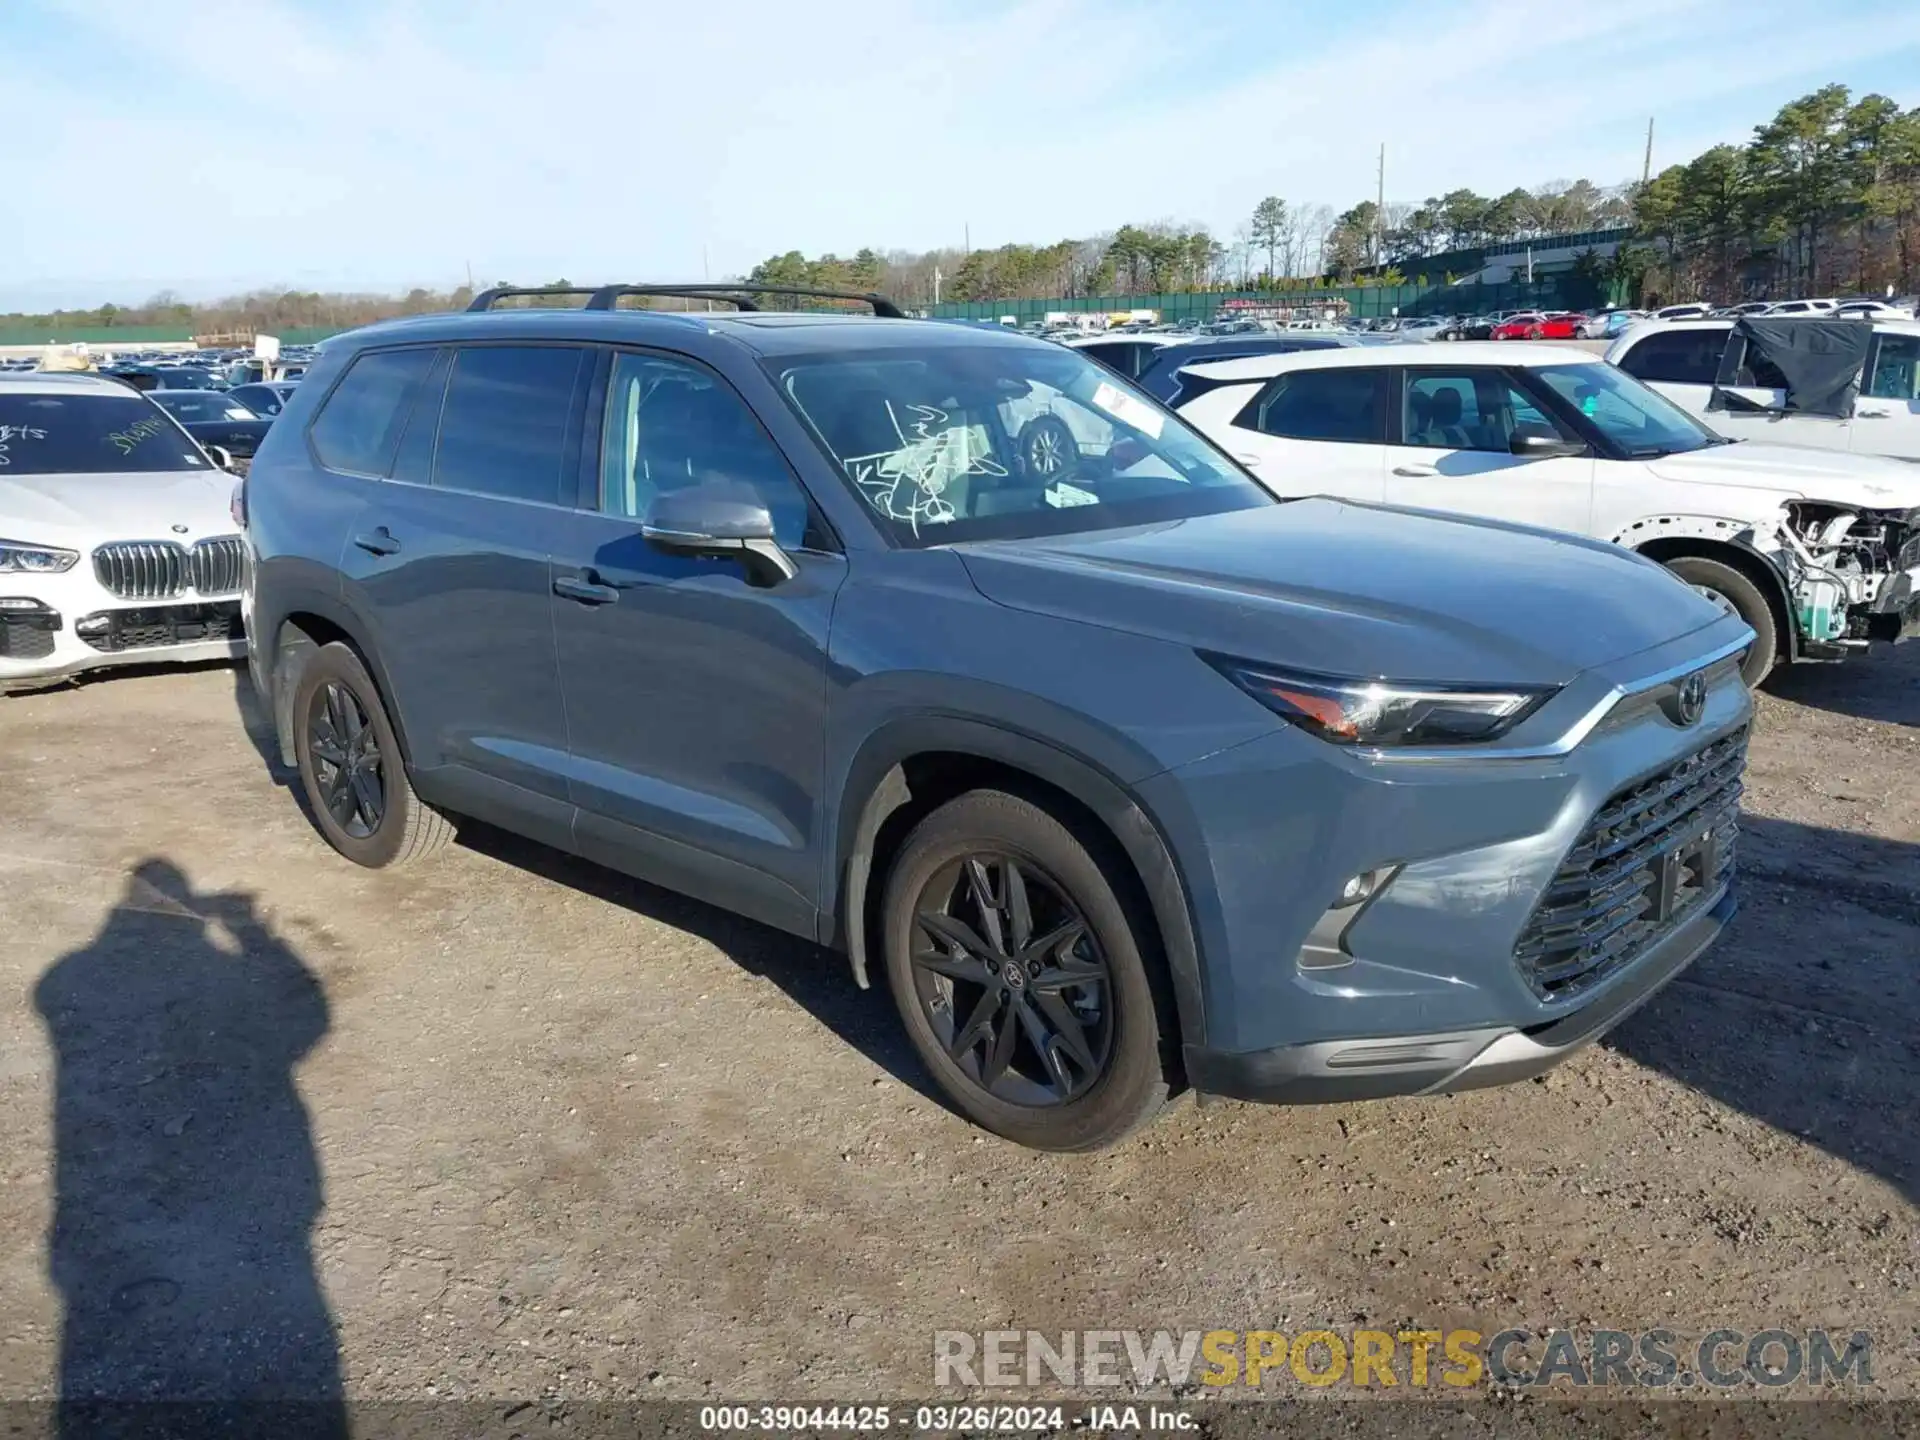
(1346, 589)
(1867, 482)
(78, 511)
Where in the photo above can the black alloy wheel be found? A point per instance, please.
(353, 772)
(1012, 980)
(347, 762)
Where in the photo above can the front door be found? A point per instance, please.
(1452, 451)
(696, 701)
(1886, 416)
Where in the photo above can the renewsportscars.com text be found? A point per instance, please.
(1460, 1359)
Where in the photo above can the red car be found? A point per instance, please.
(1518, 326)
(1558, 325)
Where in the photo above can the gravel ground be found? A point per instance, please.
(510, 1125)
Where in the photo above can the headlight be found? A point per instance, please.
(16, 558)
(1383, 712)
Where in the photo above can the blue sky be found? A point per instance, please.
(213, 145)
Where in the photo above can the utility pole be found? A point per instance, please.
(936, 284)
(1380, 207)
(966, 239)
(1646, 165)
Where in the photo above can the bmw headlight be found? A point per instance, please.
(17, 559)
(1384, 712)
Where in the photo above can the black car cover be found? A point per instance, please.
(1820, 359)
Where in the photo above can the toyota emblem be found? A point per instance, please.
(1689, 699)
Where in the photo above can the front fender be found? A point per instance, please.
(873, 784)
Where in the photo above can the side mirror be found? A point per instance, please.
(1532, 445)
(723, 521)
(221, 456)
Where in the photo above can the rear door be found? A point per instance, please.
(451, 554)
(1887, 413)
(1451, 449)
(696, 700)
(1680, 362)
(1313, 432)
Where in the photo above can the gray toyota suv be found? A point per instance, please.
(948, 649)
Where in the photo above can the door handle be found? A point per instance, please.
(587, 592)
(1414, 472)
(378, 542)
(1872, 414)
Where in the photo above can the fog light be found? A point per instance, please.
(1358, 889)
(19, 602)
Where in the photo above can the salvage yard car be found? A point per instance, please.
(116, 542)
(1820, 554)
(1124, 776)
(1833, 384)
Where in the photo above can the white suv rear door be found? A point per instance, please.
(1305, 431)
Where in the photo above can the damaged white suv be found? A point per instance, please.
(1818, 552)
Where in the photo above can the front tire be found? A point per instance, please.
(1021, 977)
(1737, 593)
(351, 769)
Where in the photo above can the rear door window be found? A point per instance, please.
(359, 424)
(1678, 357)
(507, 422)
(1340, 405)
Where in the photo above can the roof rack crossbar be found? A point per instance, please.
(487, 299)
(734, 294)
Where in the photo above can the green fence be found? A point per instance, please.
(131, 337)
(1549, 292)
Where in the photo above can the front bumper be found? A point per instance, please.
(55, 626)
(1522, 899)
(1373, 1069)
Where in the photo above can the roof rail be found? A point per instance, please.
(606, 296)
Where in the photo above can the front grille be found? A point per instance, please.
(141, 569)
(112, 631)
(1638, 870)
(162, 569)
(216, 565)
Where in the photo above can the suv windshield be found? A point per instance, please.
(44, 433)
(971, 442)
(1641, 421)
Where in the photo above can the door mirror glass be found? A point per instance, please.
(722, 520)
(221, 456)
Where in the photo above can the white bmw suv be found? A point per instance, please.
(117, 543)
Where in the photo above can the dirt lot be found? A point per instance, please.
(512, 1125)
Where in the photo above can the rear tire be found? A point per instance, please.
(351, 768)
(1739, 594)
(1053, 1043)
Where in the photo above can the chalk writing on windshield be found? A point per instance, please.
(9, 433)
(910, 484)
(125, 440)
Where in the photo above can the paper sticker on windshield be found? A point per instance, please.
(1128, 410)
(1063, 495)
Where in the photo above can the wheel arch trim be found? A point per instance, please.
(876, 786)
(291, 643)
